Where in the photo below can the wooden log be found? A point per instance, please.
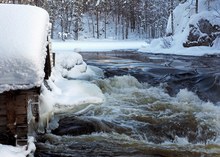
(3, 129)
(11, 113)
(3, 121)
(21, 100)
(21, 135)
(21, 110)
(22, 131)
(21, 119)
(3, 111)
(21, 142)
(2, 98)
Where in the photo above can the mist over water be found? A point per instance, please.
(136, 119)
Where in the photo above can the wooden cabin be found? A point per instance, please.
(25, 63)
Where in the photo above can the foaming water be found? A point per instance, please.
(154, 115)
(138, 119)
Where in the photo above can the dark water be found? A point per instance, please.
(156, 105)
(198, 74)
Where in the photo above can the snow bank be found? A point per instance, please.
(10, 151)
(69, 83)
(184, 15)
(216, 44)
(96, 45)
(23, 31)
(76, 92)
(72, 66)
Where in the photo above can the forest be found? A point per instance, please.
(104, 19)
(107, 19)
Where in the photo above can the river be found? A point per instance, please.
(156, 106)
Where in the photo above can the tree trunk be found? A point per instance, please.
(97, 22)
(52, 29)
(62, 30)
(209, 5)
(172, 17)
(77, 29)
(197, 6)
(105, 23)
(93, 26)
(127, 27)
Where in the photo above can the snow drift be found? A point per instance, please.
(196, 29)
(199, 32)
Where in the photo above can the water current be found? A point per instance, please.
(155, 106)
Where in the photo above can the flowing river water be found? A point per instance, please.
(156, 106)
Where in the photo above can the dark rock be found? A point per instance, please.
(205, 26)
(202, 34)
(75, 126)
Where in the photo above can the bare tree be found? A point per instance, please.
(197, 6)
(111, 18)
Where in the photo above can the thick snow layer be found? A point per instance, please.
(69, 83)
(72, 66)
(184, 15)
(171, 45)
(23, 31)
(96, 45)
(76, 92)
(166, 45)
(10, 151)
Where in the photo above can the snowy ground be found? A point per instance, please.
(156, 46)
(184, 16)
(159, 46)
(10, 151)
(96, 45)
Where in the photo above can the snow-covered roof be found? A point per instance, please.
(23, 40)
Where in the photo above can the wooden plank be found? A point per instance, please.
(21, 109)
(21, 119)
(3, 105)
(3, 111)
(2, 98)
(21, 100)
(21, 132)
(11, 116)
(21, 104)
(21, 142)
(3, 121)
(3, 129)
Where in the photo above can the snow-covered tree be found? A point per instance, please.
(118, 19)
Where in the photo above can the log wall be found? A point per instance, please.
(13, 116)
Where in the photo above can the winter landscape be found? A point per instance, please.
(131, 78)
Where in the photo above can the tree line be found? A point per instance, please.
(117, 19)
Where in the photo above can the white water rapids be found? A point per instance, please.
(137, 119)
